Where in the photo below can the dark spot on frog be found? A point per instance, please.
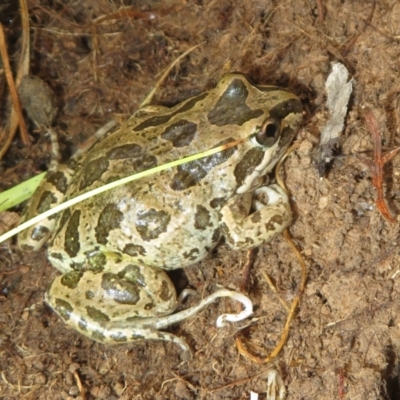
(63, 308)
(89, 295)
(153, 121)
(133, 317)
(180, 133)
(59, 180)
(202, 218)
(47, 199)
(39, 232)
(96, 315)
(248, 163)
(276, 220)
(109, 219)
(189, 104)
(283, 109)
(287, 136)
(98, 336)
(132, 273)
(82, 324)
(144, 163)
(71, 279)
(76, 266)
(248, 242)
(65, 216)
(137, 336)
(96, 259)
(57, 256)
(255, 217)
(71, 238)
(26, 247)
(92, 172)
(165, 292)
(216, 236)
(151, 223)
(226, 233)
(118, 337)
(191, 255)
(191, 173)
(130, 151)
(163, 119)
(149, 306)
(134, 250)
(120, 289)
(217, 203)
(231, 108)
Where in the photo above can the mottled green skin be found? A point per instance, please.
(113, 248)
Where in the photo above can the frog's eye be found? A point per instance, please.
(269, 133)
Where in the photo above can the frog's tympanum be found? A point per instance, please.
(113, 249)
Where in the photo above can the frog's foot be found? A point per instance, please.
(271, 216)
(167, 320)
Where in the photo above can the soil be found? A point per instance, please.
(344, 340)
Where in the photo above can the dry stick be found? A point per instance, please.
(250, 258)
(341, 384)
(321, 11)
(128, 12)
(14, 97)
(23, 69)
(23, 66)
(376, 167)
(240, 382)
(285, 333)
(79, 384)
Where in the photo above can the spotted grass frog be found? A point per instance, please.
(113, 249)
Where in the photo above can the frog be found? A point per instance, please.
(114, 250)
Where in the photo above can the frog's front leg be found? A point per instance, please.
(129, 305)
(272, 214)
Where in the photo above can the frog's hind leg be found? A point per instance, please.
(106, 307)
(132, 304)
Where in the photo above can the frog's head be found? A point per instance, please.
(269, 116)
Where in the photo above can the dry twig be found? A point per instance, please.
(14, 95)
(376, 166)
(23, 69)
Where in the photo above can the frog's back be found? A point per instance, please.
(171, 219)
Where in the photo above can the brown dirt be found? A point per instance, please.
(345, 339)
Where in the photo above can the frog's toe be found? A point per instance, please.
(269, 195)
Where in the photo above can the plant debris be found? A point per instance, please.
(338, 90)
(376, 166)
